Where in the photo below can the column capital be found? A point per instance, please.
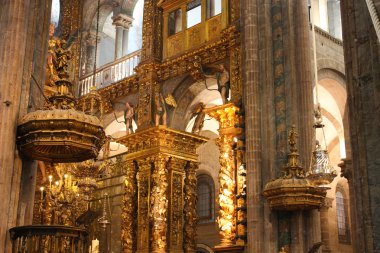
(91, 38)
(122, 20)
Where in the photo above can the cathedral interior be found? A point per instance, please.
(193, 126)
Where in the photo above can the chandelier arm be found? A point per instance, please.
(96, 41)
(40, 89)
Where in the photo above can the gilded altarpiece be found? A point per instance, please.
(166, 186)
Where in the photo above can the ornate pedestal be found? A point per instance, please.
(159, 213)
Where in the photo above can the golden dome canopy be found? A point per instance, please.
(59, 133)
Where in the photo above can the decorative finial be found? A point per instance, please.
(292, 139)
(293, 168)
(318, 117)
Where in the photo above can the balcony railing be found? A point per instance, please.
(49, 238)
(110, 73)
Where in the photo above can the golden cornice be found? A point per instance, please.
(162, 140)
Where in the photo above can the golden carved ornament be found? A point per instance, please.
(293, 191)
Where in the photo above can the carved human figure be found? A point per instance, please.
(51, 75)
(129, 113)
(199, 115)
(160, 109)
(106, 147)
(223, 81)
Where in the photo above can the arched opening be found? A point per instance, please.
(55, 10)
(135, 32)
(342, 216)
(206, 197)
(106, 48)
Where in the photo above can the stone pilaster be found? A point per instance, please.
(17, 49)
(325, 234)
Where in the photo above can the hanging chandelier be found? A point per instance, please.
(321, 171)
(59, 133)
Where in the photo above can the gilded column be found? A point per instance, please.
(143, 207)
(159, 205)
(129, 210)
(226, 115)
(177, 199)
(190, 208)
(151, 54)
(227, 211)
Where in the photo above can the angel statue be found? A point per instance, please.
(199, 115)
(129, 113)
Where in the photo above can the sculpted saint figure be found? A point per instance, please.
(223, 80)
(129, 113)
(160, 110)
(199, 115)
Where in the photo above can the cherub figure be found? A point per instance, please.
(199, 115)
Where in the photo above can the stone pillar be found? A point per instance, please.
(166, 186)
(17, 48)
(252, 106)
(90, 51)
(122, 24)
(125, 41)
(325, 234)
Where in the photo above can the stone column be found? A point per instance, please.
(125, 41)
(17, 44)
(325, 234)
(122, 24)
(90, 51)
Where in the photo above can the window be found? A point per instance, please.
(175, 22)
(214, 7)
(205, 204)
(194, 13)
(342, 217)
